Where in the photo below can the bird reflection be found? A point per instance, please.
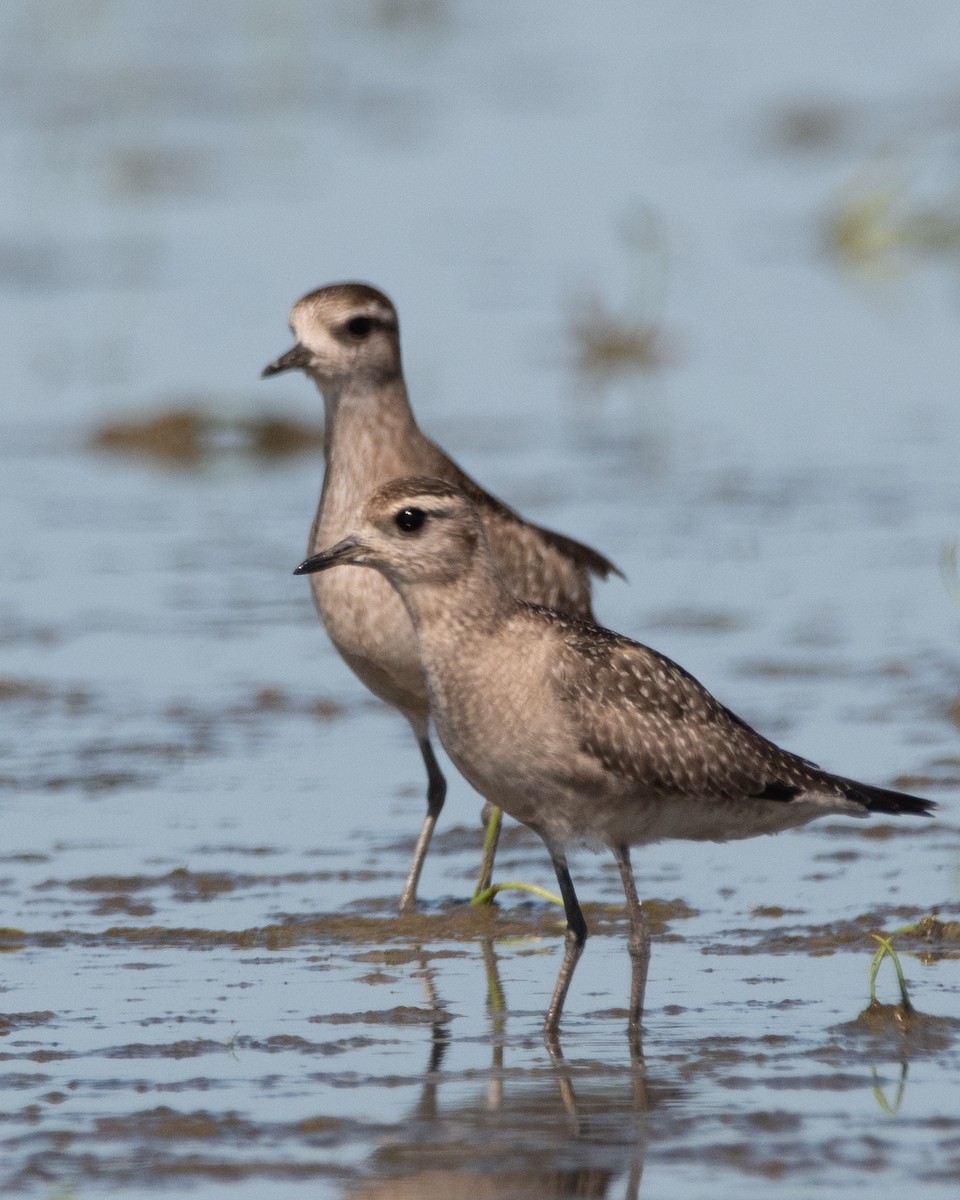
(558, 1129)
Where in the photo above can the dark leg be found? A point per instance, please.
(575, 937)
(436, 794)
(638, 943)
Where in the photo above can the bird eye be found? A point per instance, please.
(410, 519)
(360, 326)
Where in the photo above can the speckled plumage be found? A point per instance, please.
(578, 732)
(347, 341)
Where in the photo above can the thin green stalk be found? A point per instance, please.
(487, 896)
(886, 950)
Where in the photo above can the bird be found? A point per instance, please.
(582, 734)
(347, 341)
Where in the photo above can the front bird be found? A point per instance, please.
(585, 736)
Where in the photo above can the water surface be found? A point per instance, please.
(678, 280)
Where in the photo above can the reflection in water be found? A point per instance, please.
(891, 1106)
(563, 1129)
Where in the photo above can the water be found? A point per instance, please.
(207, 822)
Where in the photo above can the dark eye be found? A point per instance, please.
(410, 519)
(360, 326)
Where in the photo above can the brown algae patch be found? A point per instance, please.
(121, 895)
(934, 932)
(162, 1146)
(459, 923)
(914, 932)
(186, 1048)
(183, 885)
(897, 1027)
(882, 831)
(277, 700)
(185, 731)
(11, 939)
(173, 436)
(36, 696)
(188, 434)
(25, 691)
(402, 1014)
(388, 957)
(124, 906)
(10, 1022)
(696, 620)
(610, 343)
(921, 784)
(163, 1122)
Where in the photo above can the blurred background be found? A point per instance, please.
(680, 279)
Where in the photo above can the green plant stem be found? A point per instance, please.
(487, 896)
(886, 949)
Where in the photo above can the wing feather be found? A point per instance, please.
(650, 722)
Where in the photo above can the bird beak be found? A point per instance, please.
(297, 357)
(346, 551)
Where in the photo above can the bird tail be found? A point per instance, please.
(883, 800)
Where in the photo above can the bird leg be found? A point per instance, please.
(638, 942)
(494, 822)
(574, 940)
(436, 794)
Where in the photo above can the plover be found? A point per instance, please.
(348, 342)
(585, 736)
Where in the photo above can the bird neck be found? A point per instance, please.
(370, 437)
(455, 611)
(353, 406)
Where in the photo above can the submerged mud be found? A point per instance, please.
(370, 1054)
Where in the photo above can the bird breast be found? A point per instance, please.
(370, 628)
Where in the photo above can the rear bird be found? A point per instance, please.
(348, 342)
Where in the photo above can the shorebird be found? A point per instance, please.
(580, 733)
(348, 343)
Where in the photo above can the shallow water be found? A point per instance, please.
(681, 282)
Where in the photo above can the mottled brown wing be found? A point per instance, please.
(538, 565)
(651, 723)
